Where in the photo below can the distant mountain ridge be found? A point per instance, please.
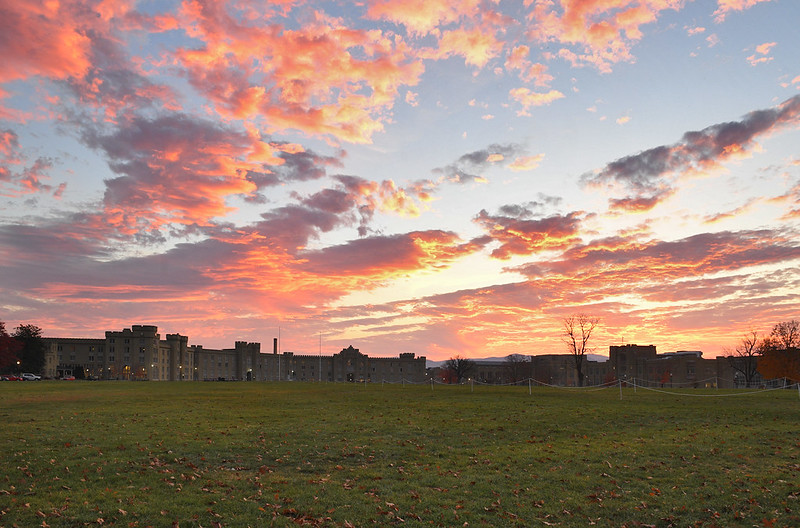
(500, 359)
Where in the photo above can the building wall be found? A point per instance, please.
(66, 356)
(630, 361)
(139, 353)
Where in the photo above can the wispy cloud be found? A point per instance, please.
(650, 174)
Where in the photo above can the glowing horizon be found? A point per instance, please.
(444, 178)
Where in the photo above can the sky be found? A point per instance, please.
(438, 177)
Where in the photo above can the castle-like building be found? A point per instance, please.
(139, 353)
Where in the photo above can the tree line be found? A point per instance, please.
(23, 350)
(773, 356)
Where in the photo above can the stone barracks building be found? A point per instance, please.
(139, 353)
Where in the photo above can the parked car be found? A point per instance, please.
(10, 377)
(27, 376)
(68, 378)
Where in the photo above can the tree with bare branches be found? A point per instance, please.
(786, 335)
(577, 331)
(459, 367)
(517, 367)
(744, 357)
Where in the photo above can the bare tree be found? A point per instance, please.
(577, 331)
(460, 367)
(517, 367)
(744, 357)
(786, 335)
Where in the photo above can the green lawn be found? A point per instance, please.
(285, 454)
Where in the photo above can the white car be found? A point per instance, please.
(27, 376)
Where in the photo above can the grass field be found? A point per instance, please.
(286, 454)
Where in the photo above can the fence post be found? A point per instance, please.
(620, 388)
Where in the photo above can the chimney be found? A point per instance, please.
(274, 345)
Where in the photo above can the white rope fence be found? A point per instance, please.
(740, 392)
(633, 382)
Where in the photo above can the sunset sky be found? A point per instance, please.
(438, 177)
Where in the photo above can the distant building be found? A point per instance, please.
(686, 368)
(139, 353)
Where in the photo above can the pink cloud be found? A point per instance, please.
(42, 38)
(760, 56)
(478, 45)
(325, 78)
(725, 7)
(421, 17)
(525, 163)
(603, 32)
(521, 235)
(529, 72)
(17, 177)
(179, 170)
(528, 98)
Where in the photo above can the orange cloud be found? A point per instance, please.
(520, 235)
(525, 163)
(528, 98)
(421, 17)
(603, 31)
(42, 38)
(324, 78)
(761, 50)
(178, 170)
(537, 73)
(477, 45)
(727, 6)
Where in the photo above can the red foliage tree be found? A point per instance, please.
(778, 363)
(9, 349)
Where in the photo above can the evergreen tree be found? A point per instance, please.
(32, 353)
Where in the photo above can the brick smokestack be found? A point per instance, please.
(274, 345)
